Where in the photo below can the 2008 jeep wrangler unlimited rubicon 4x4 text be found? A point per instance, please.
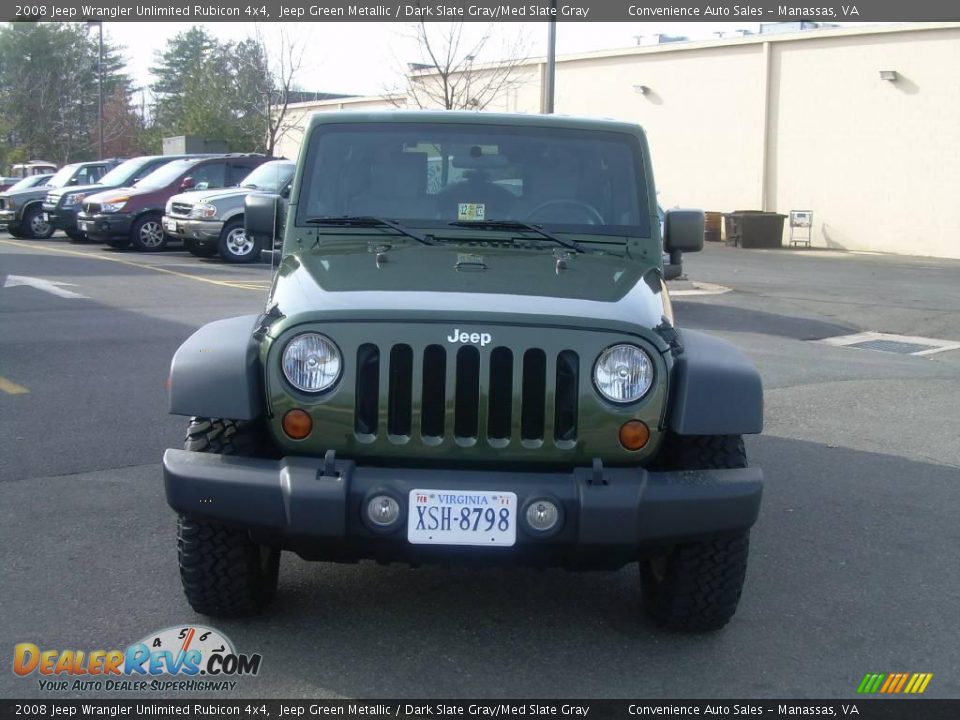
(468, 353)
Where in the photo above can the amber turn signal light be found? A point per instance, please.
(297, 424)
(634, 434)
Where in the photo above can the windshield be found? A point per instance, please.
(123, 172)
(432, 174)
(270, 176)
(29, 182)
(163, 176)
(62, 176)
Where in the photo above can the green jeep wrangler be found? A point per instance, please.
(468, 354)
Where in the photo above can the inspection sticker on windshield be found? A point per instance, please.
(462, 517)
(471, 211)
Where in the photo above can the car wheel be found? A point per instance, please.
(147, 234)
(14, 230)
(33, 224)
(198, 250)
(223, 572)
(76, 236)
(236, 246)
(696, 586)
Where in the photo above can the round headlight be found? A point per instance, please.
(623, 373)
(311, 362)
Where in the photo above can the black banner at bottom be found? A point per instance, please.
(888, 709)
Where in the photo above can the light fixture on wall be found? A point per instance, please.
(641, 89)
(889, 75)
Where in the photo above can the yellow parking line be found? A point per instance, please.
(131, 263)
(11, 388)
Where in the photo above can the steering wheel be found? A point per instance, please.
(590, 213)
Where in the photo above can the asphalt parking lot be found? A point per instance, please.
(853, 563)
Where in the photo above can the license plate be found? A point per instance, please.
(46, 217)
(170, 225)
(462, 517)
(83, 225)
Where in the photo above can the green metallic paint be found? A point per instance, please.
(368, 285)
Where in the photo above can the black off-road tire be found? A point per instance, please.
(15, 231)
(198, 250)
(223, 572)
(696, 586)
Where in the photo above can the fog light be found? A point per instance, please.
(542, 515)
(297, 424)
(634, 434)
(383, 510)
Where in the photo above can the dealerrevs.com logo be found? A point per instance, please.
(191, 657)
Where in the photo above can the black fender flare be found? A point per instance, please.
(216, 372)
(716, 389)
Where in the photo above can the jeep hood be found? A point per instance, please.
(461, 282)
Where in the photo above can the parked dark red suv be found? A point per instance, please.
(132, 215)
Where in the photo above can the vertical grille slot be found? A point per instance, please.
(565, 410)
(534, 395)
(434, 391)
(400, 397)
(368, 389)
(468, 392)
(500, 394)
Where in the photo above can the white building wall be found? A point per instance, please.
(795, 121)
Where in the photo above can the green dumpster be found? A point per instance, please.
(754, 229)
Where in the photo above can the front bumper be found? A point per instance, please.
(204, 231)
(62, 218)
(101, 226)
(293, 503)
(8, 216)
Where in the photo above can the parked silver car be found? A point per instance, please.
(210, 222)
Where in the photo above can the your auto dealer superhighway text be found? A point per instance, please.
(438, 710)
(497, 12)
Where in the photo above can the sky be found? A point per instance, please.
(364, 58)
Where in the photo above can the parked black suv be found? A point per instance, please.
(62, 205)
(133, 214)
(22, 211)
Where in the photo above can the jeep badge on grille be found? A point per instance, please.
(465, 337)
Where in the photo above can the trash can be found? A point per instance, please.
(711, 226)
(754, 229)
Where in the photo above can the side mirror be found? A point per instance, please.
(263, 216)
(683, 231)
(285, 193)
(186, 183)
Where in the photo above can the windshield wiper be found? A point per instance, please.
(372, 222)
(517, 225)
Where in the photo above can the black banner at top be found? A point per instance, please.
(483, 10)
(392, 709)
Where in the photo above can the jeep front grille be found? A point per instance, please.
(496, 396)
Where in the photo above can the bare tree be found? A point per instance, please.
(272, 70)
(450, 73)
